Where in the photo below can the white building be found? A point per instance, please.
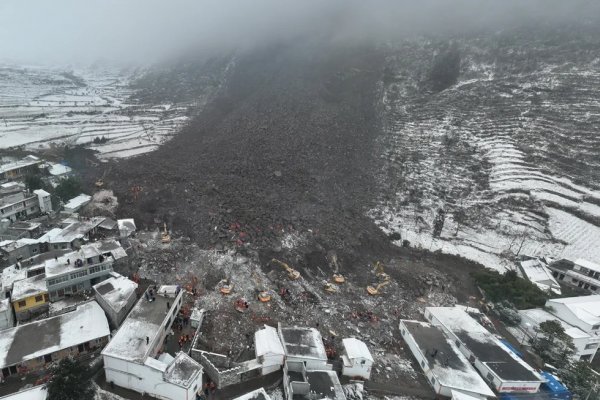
(34, 393)
(6, 314)
(303, 345)
(446, 368)
(126, 227)
(133, 358)
(258, 394)
(499, 366)
(582, 312)
(33, 346)
(44, 200)
(116, 296)
(77, 203)
(540, 275)
(580, 273)
(357, 359)
(268, 349)
(586, 345)
(20, 205)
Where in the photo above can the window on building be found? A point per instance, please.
(34, 250)
(39, 298)
(595, 327)
(402, 332)
(422, 363)
(46, 297)
(591, 346)
(22, 303)
(457, 343)
(490, 377)
(432, 380)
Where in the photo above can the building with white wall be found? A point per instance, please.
(134, 358)
(44, 200)
(77, 203)
(357, 359)
(303, 345)
(268, 349)
(586, 345)
(446, 368)
(116, 296)
(580, 273)
(504, 370)
(540, 275)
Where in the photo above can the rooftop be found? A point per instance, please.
(66, 263)
(58, 169)
(587, 264)
(540, 275)
(75, 230)
(77, 202)
(126, 226)
(303, 342)
(36, 339)
(25, 162)
(446, 362)
(183, 370)
(258, 394)
(29, 287)
(12, 245)
(325, 384)
(266, 341)
(41, 192)
(25, 225)
(145, 320)
(116, 290)
(34, 393)
(485, 346)
(586, 308)
(539, 315)
(356, 349)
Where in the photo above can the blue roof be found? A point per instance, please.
(552, 384)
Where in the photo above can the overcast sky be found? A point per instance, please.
(82, 31)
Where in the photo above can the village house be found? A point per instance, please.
(582, 312)
(116, 296)
(30, 297)
(44, 200)
(77, 203)
(19, 206)
(357, 359)
(540, 275)
(303, 345)
(300, 383)
(73, 233)
(13, 251)
(21, 230)
(268, 349)
(446, 368)
(134, 358)
(6, 314)
(504, 370)
(586, 344)
(28, 165)
(581, 273)
(71, 334)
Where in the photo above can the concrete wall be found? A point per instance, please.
(116, 317)
(6, 315)
(358, 367)
(220, 376)
(144, 379)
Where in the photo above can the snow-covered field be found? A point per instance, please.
(42, 107)
(511, 157)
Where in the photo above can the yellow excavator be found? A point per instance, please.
(337, 277)
(379, 271)
(374, 290)
(225, 286)
(166, 238)
(292, 273)
(264, 295)
(329, 287)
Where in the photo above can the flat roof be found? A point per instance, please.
(59, 265)
(450, 367)
(34, 393)
(116, 290)
(25, 162)
(78, 201)
(36, 339)
(144, 320)
(303, 342)
(539, 274)
(485, 346)
(258, 394)
(25, 225)
(325, 384)
(183, 370)
(75, 230)
(539, 315)
(588, 264)
(266, 341)
(586, 308)
(29, 287)
(356, 349)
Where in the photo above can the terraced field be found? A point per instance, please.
(510, 153)
(41, 107)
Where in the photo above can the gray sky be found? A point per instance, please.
(82, 31)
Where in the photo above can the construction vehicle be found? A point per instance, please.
(337, 277)
(329, 287)
(225, 287)
(374, 290)
(166, 238)
(264, 296)
(292, 273)
(379, 271)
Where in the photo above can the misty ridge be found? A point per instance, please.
(146, 31)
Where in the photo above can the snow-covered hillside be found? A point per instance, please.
(511, 153)
(42, 107)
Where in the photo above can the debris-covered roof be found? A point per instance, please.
(144, 321)
(484, 346)
(116, 290)
(59, 169)
(258, 394)
(356, 349)
(538, 315)
(540, 275)
(446, 362)
(29, 287)
(303, 342)
(126, 226)
(46, 336)
(266, 341)
(182, 371)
